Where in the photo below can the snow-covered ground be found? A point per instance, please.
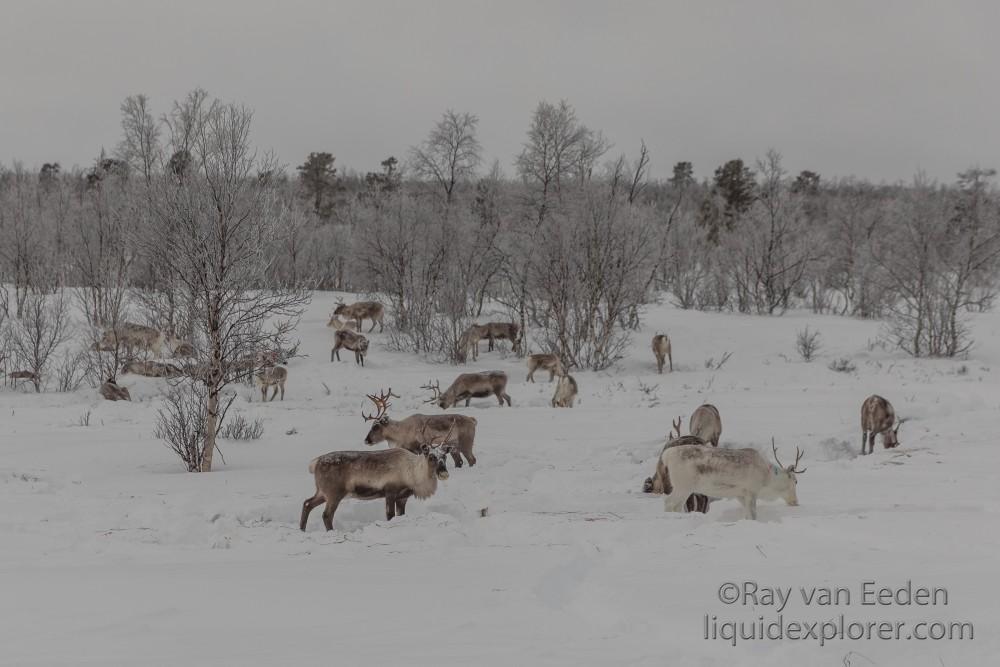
(111, 554)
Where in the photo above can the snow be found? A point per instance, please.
(111, 554)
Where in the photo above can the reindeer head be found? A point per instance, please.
(340, 309)
(437, 451)
(783, 482)
(890, 438)
(437, 457)
(381, 417)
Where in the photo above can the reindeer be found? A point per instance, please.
(503, 330)
(415, 430)
(363, 310)
(22, 375)
(271, 376)
(111, 391)
(468, 386)
(132, 336)
(547, 362)
(729, 473)
(394, 474)
(469, 342)
(349, 340)
(180, 348)
(153, 369)
(566, 391)
(337, 324)
(706, 423)
(660, 481)
(661, 348)
(878, 416)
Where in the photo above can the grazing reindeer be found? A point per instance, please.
(111, 391)
(661, 348)
(411, 433)
(393, 474)
(547, 362)
(729, 473)
(471, 385)
(153, 369)
(337, 324)
(350, 341)
(566, 391)
(271, 376)
(469, 342)
(878, 416)
(363, 310)
(660, 481)
(504, 330)
(706, 424)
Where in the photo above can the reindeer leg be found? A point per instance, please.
(308, 507)
(469, 456)
(282, 391)
(401, 504)
(671, 358)
(457, 458)
(328, 512)
(390, 506)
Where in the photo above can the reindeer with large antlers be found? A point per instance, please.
(394, 474)
(417, 430)
(729, 473)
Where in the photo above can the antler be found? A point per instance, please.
(429, 441)
(435, 388)
(381, 403)
(794, 467)
(677, 427)
(774, 449)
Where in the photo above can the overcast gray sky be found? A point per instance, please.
(876, 89)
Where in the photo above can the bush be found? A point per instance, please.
(180, 423)
(807, 344)
(842, 365)
(240, 428)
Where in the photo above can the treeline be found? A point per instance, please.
(570, 240)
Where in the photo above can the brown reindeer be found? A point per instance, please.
(416, 430)
(394, 474)
(271, 376)
(468, 342)
(504, 330)
(661, 348)
(112, 391)
(566, 391)
(878, 416)
(13, 377)
(349, 341)
(132, 337)
(547, 362)
(363, 310)
(471, 385)
(153, 369)
(706, 423)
